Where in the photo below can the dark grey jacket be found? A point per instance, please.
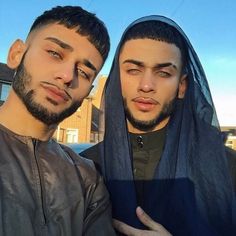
(46, 189)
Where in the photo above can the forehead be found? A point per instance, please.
(150, 51)
(48, 29)
(82, 47)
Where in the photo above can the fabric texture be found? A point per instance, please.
(191, 192)
(146, 152)
(46, 189)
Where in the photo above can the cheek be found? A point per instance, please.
(168, 92)
(82, 92)
(173, 93)
(41, 65)
(36, 68)
(128, 86)
(126, 89)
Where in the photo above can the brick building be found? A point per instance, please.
(82, 126)
(230, 136)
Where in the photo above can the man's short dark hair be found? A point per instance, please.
(86, 24)
(157, 30)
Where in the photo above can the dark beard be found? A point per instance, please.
(149, 125)
(21, 81)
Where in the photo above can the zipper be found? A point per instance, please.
(39, 186)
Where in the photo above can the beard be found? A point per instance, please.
(22, 80)
(149, 125)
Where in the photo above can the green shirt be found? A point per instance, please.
(147, 149)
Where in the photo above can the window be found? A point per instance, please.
(5, 88)
(72, 135)
(229, 143)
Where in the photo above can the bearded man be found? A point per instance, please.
(162, 147)
(45, 188)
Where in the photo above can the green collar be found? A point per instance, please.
(147, 141)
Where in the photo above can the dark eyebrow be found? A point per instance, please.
(135, 62)
(60, 43)
(167, 64)
(157, 66)
(89, 65)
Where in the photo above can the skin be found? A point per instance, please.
(150, 74)
(59, 68)
(151, 80)
(156, 229)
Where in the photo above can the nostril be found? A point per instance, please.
(69, 84)
(146, 88)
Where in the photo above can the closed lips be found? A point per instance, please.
(56, 91)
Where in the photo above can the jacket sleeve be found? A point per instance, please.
(97, 206)
(98, 219)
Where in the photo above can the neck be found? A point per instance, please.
(15, 117)
(159, 126)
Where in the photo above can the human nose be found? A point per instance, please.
(66, 74)
(147, 82)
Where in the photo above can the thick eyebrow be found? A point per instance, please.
(132, 61)
(157, 66)
(60, 43)
(89, 65)
(163, 65)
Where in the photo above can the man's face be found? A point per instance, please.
(150, 73)
(56, 72)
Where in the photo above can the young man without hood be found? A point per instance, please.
(46, 189)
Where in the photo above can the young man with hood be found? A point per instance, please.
(45, 188)
(162, 147)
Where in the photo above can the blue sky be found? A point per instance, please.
(209, 24)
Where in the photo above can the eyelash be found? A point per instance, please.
(54, 54)
(58, 56)
(164, 74)
(133, 71)
(85, 75)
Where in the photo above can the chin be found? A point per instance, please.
(145, 117)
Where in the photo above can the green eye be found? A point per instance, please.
(83, 74)
(164, 74)
(54, 54)
(133, 71)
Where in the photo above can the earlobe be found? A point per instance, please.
(15, 54)
(182, 86)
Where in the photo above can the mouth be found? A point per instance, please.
(55, 93)
(145, 104)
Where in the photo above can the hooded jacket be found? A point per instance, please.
(46, 189)
(192, 191)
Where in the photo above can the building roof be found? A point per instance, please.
(6, 74)
(228, 128)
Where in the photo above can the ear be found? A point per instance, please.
(182, 86)
(16, 53)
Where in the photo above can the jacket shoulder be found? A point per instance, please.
(85, 166)
(94, 153)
